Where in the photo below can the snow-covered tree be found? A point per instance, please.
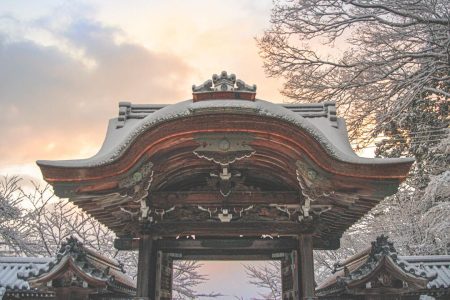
(416, 218)
(186, 277)
(373, 57)
(386, 64)
(13, 225)
(36, 223)
(267, 277)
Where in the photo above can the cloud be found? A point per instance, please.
(64, 69)
(55, 105)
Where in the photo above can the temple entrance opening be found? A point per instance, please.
(232, 278)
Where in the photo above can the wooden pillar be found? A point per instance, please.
(166, 274)
(147, 268)
(306, 267)
(289, 273)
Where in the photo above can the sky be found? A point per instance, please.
(65, 65)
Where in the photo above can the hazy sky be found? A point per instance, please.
(64, 66)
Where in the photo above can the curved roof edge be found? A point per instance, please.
(328, 130)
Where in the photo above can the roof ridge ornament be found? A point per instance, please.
(223, 86)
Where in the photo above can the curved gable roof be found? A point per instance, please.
(315, 120)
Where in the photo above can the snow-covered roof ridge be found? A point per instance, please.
(128, 110)
(426, 258)
(24, 259)
(329, 131)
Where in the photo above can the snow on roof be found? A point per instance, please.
(434, 268)
(319, 120)
(438, 264)
(12, 269)
(16, 273)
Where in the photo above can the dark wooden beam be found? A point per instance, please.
(232, 229)
(277, 244)
(125, 243)
(211, 198)
(228, 256)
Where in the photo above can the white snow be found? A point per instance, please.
(13, 268)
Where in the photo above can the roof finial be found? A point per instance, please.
(224, 86)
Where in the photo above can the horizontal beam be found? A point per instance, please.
(230, 256)
(209, 246)
(232, 229)
(277, 244)
(126, 243)
(211, 198)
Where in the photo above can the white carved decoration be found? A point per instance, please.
(225, 217)
(240, 210)
(145, 210)
(161, 211)
(287, 209)
(224, 83)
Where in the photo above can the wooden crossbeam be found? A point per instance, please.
(210, 198)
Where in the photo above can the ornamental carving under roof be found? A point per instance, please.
(224, 86)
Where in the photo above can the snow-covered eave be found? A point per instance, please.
(420, 282)
(66, 262)
(117, 141)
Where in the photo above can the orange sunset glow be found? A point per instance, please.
(64, 66)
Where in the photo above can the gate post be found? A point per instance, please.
(306, 267)
(147, 264)
(289, 273)
(164, 276)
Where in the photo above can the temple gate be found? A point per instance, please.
(226, 176)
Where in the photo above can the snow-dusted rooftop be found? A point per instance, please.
(24, 275)
(381, 258)
(435, 264)
(13, 269)
(319, 120)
